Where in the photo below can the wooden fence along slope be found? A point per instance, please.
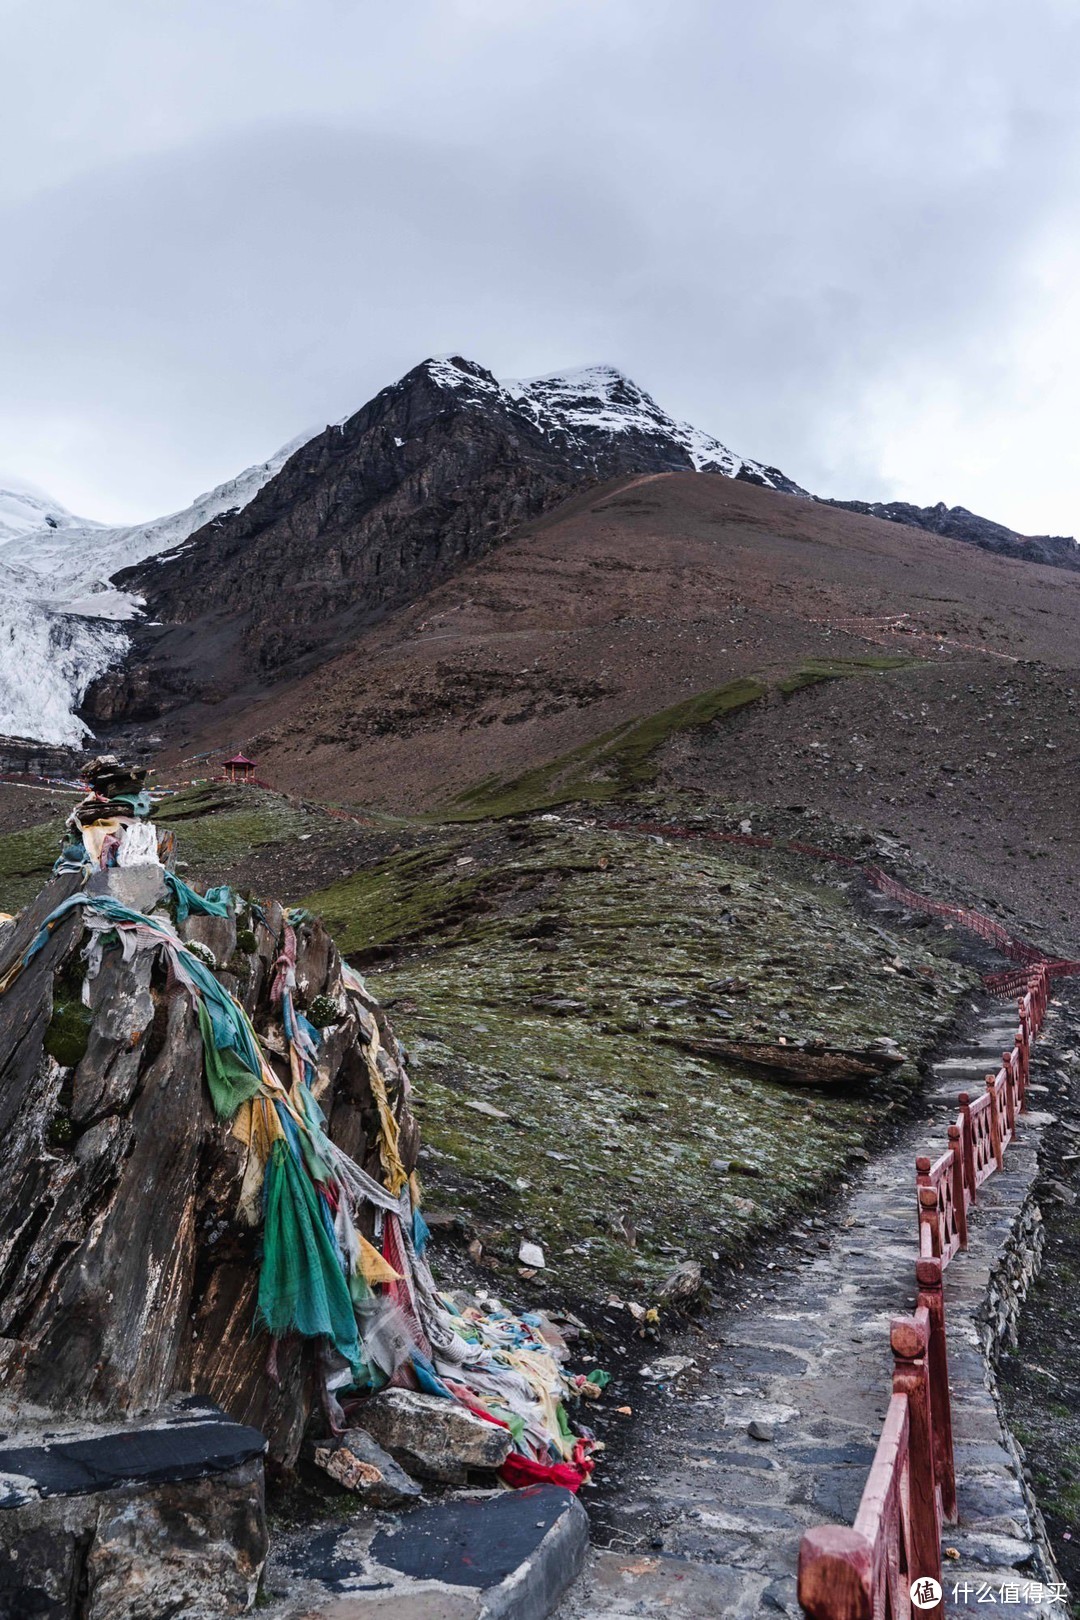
(865, 1573)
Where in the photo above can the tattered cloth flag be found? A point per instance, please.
(379, 1314)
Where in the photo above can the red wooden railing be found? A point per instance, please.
(866, 1572)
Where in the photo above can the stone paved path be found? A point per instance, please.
(811, 1363)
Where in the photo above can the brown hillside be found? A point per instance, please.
(646, 591)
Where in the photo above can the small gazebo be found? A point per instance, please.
(239, 768)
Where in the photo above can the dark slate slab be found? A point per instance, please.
(175, 1450)
(507, 1557)
(473, 1543)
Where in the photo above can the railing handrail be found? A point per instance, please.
(861, 1573)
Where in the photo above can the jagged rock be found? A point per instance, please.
(958, 523)
(125, 1275)
(431, 1437)
(357, 1462)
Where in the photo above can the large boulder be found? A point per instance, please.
(432, 1437)
(125, 1275)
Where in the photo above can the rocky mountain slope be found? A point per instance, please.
(705, 635)
(276, 571)
(1059, 550)
(433, 472)
(279, 569)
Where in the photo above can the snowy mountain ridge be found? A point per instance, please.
(61, 620)
(575, 406)
(26, 509)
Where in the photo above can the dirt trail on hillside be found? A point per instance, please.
(976, 767)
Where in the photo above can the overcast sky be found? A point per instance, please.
(842, 235)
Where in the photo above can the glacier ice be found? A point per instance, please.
(61, 621)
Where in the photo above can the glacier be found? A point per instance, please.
(61, 620)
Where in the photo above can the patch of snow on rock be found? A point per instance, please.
(602, 399)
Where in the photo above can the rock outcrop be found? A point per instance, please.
(124, 1273)
(957, 523)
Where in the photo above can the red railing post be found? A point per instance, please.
(995, 1122)
(931, 1295)
(911, 1378)
(958, 1184)
(1008, 1060)
(969, 1143)
(836, 1574)
(864, 1573)
(926, 1195)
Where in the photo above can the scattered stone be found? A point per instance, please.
(808, 1064)
(531, 1254)
(667, 1368)
(486, 1108)
(558, 1004)
(682, 1284)
(357, 1462)
(431, 1437)
(759, 1431)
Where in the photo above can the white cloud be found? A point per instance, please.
(836, 234)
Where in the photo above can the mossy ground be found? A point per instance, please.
(816, 670)
(543, 968)
(26, 859)
(222, 831)
(541, 971)
(218, 824)
(611, 765)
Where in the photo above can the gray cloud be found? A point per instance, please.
(838, 235)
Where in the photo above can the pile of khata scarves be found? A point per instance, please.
(375, 1303)
(109, 826)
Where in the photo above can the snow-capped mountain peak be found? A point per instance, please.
(585, 405)
(61, 616)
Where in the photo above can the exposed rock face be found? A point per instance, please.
(430, 474)
(432, 1437)
(125, 1275)
(194, 1548)
(956, 522)
(39, 759)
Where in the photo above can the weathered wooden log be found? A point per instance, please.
(126, 1277)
